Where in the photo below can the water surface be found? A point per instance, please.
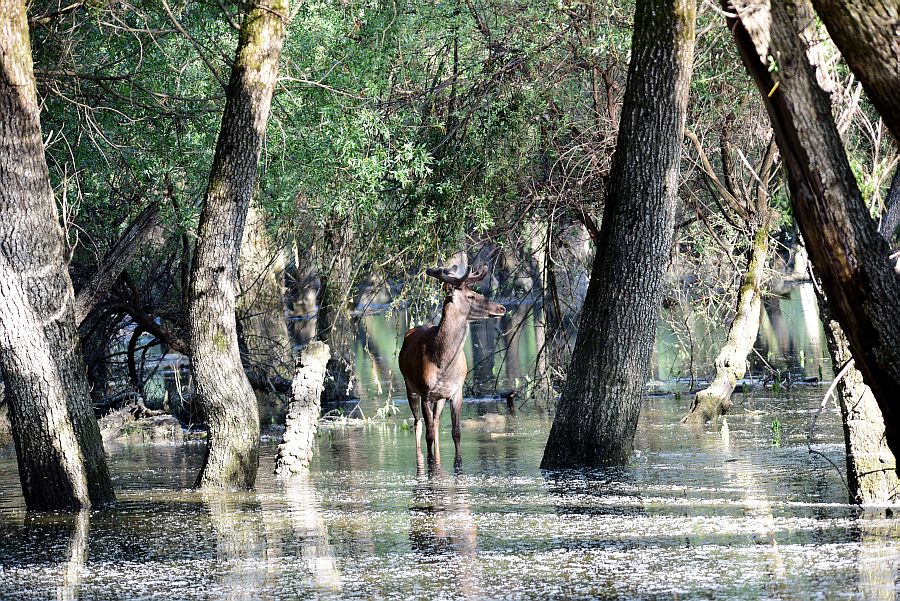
(694, 515)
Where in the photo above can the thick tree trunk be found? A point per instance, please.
(850, 256)
(225, 396)
(731, 363)
(867, 32)
(296, 448)
(598, 412)
(58, 445)
(261, 317)
(871, 468)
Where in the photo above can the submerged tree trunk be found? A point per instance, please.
(731, 363)
(296, 448)
(871, 467)
(58, 447)
(224, 393)
(597, 414)
(261, 317)
(858, 279)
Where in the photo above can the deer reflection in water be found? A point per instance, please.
(441, 525)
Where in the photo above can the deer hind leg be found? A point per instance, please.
(455, 410)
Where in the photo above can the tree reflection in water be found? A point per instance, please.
(68, 588)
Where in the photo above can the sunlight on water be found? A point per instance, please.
(695, 515)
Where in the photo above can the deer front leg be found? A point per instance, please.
(431, 410)
(455, 410)
(415, 405)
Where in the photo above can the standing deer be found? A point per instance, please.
(432, 360)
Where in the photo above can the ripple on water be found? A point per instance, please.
(695, 515)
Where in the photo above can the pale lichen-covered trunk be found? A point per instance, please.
(731, 362)
(261, 316)
(850, 256)
(224, 393)
(58, 446)
(296, 448)
(598, 412)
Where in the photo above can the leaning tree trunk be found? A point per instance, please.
(225, 396)
(867, 32)
(597, 414)
(851, 257)
(58, 445)
(871, 467)
(731, 363)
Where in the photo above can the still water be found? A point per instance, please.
(743, 514)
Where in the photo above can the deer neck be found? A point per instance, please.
(451, 335)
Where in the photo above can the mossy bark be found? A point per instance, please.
(597, 415)
(223, 391)
(731, 362)
(58, 447)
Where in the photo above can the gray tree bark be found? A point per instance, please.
(58, 446)
(731, 362)
(224, 393)
(261, 316)
(850, 256)
(296, 448)
(597, 415)
(871, 467)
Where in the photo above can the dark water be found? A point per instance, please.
(694, 515)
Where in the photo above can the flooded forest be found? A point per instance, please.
(449, 299)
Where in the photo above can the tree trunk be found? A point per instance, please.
(261, 318)
(224, 394)
(871, 468)
(731, 363)
(850, 256)
(597, 414)
(296, 448)
(333, 321)
(60, 454)
(867, 32)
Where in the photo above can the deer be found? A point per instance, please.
(432, 360)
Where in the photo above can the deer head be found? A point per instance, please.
(469, 303)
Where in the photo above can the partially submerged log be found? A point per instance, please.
(296, 448)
